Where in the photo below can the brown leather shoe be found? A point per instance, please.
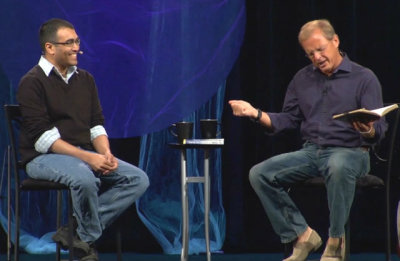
(301, 250)
(334, 253)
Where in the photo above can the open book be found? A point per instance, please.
(364, 115)
(204, 141)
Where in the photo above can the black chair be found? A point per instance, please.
(13, 117)
(369, 181)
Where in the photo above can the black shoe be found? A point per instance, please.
(80, 248)
(92, 255)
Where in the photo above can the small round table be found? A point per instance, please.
(185, 180)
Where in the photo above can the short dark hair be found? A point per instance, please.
(48, 30)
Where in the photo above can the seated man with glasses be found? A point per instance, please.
(333, 149)
(63, 139)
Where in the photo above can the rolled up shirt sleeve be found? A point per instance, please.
(43, 144)
(97, 131)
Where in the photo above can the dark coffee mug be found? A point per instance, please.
(208, 128)
(182, 130)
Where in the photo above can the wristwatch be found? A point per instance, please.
(259, 114)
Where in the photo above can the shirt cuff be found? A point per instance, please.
(47, 139)
(97, 131)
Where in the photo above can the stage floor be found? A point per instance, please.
(215, 257)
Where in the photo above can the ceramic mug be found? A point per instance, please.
(182, 130)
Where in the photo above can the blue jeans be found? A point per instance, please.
(340, 167)
(93, 211)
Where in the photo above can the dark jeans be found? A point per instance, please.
(340, 168)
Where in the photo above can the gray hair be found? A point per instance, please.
(323, 24)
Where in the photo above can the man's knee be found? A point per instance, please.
(257, 176)
(339, 172)
(144, 183)
(86, 182)
(348, 166)
(254, 176)
(137, 179)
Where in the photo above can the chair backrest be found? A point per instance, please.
(386, 149)
(13, 119)
(389, 145)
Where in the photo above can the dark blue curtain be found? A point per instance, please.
(155, 62)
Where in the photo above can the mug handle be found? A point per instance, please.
(170, 129)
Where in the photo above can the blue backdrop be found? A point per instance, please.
(154, 61)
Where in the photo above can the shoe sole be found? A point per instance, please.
(315, 248)
(331, 259)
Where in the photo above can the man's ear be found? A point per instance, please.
(336, 40)
(49, 48)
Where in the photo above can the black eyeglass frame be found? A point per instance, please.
(70, 42)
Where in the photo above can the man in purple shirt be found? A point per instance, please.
(333, 149)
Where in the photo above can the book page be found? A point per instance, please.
(364, 114)
(384, 110)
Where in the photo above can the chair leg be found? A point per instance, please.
(9, 232)
(347, 240)
(59, 210)
(119, 244)
(70, 227)
(17, 225)
(287, 249)
(388, 232)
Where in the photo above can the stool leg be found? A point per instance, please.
(185, 210)
(207, 202)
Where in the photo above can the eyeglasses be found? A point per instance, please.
(320, 50)
(70, 42)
